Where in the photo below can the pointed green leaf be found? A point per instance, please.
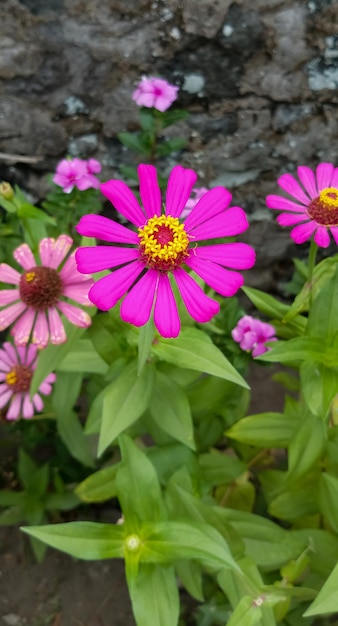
(125, 399)
(83, 358)
(193, 349)
(323, 316)
(264, 430)
(247, 613)
(170, 410)
(145, 339)
(319, 386)
(306, 446)
(84, 540)
(138, 487)
(327, 494)
(100, 486)
(327, 599)
(154, 595)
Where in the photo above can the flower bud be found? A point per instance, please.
(6, 191)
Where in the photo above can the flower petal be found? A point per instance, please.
(46, 247)
(22, 329)
(290, 185)
(60, 250)
(10, 314)
(108, 290)
(5, 397)
(280, 203)
(324, 173)
(124, 201)
(212, 203)
(105, 229)
(41, 331)
(98, 258)
(79, 292)
(289, 219)
(180, 184)
(149, 190)
(220, 279)
(239, 256)
(308, 180)
(7, 296)
(14, 410)
(198, 304)
(334, 181)
(231, 222)
(27, 407)
(56, 329)
(69, 273)
(322, 237)
(137, 305)
(24, 256)
(166, 316)
(37, 402)
(303, 232)
(76, 316)
(9, 275)
(334, 232)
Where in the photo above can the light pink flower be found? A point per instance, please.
(17, 366)
(77, 173)
(40, 293)
(155, 92)
(251, 334)
(198, 193)
(315, 211)
(161, 247)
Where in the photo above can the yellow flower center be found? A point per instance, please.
(19, 378)
(163, 243)
(324, 208)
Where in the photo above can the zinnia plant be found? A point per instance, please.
(41, 292)
(314, 207)
(160, 249)
(17, 365)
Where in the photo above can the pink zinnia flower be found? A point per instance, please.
(251, 334)
(316, 212)
(198, 193)
(76, 173)
(161, 247)
(40, 293)
(17, 366)
(155, 92)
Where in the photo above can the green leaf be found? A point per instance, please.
(190, 574)
(247, 613)
(300, 348)
(100, 486)
(138, 487)
(154, 595)
(264, 430)
(133, 141)
(170, 145)
(27, 210)
(83, 358)
(220, 468)
(327, 599)
(193, 349)
(168, 542)
(146, 119)
(51, 357)
(170, 410)
(327, 494)
(323, 315)
(306, 446)
(319, 386)
(84, 540)
(26, 470)
(274, 309)
(124, 401)
(11, 498)
(170, 117)
(322, 273)
(145, 339)
(61, 501)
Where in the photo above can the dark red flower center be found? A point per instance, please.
(19, 378)
(40, 287)
(324, 208)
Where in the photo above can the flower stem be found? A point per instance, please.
(311, 266)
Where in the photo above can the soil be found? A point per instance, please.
(63, 591)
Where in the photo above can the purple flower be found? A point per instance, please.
(17, 365)
(316, 210)
(155, 92)
(40, 293)
(251, 334)
(161, 247)
(77, 173)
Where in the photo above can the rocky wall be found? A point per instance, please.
(259, 78)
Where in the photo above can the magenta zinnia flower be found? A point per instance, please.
(251, 334)
(316, 209)
(161, 247)
(155, 92)
(40, 293)
(17, 366)
(77, 173)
